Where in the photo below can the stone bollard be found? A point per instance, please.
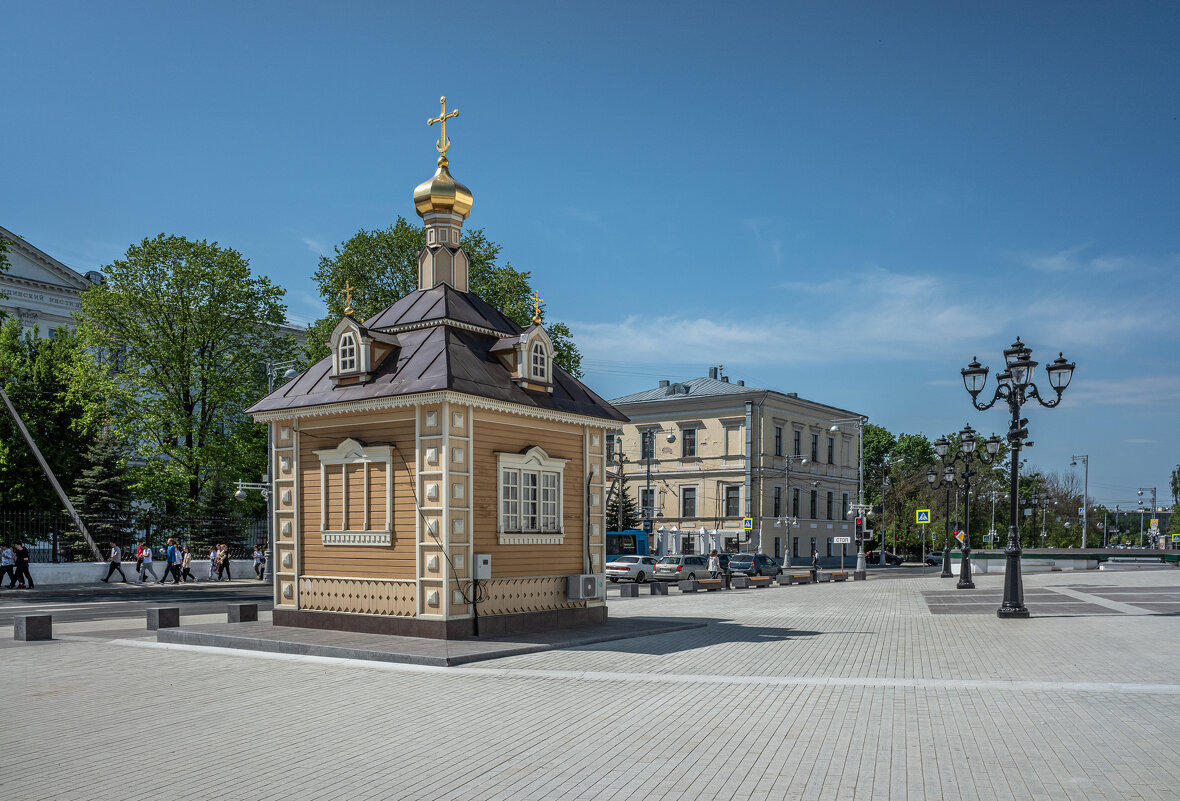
(163, 617)
(32, 627)
(658, 588)
(241, 613)
(628, 590)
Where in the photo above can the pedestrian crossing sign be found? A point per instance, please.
(923, 516)
(748, 523)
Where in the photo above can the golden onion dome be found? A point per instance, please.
(442, 193)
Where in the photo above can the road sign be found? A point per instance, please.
(923, 516)
(1176, 538)
(960, 536)
(1155, 522)
(647, 526)
(748, 523)
(841, 540)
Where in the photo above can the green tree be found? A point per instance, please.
(382, 266)
(102, 494)
(1176, 486)
(630, 510)
(184, 326)
(35, 374)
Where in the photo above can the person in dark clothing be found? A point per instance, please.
(814, 565)
(116, 561)
(7, 564)
(21, 555)
(223, 563)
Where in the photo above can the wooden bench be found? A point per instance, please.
(745, 582)
(839, 575)
(822, 576)
(710, 585)
(800, 578)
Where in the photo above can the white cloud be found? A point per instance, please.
(315, 246)
(1133, 391)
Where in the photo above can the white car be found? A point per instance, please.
(636, 568)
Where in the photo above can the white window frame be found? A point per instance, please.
(348, 356)
(349, 452)
(538, 362)
(530, 518)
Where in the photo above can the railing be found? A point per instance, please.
(53, 537)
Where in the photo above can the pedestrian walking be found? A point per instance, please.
(186, 560)
(145, 565)
(171, 563)
(138, 557)
(814, 565)
(20, 555)
(7, 565)
(213, 555)
(259, 563)
(223, 562)
(116, 561)
(714, 564)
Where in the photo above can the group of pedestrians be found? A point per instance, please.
(177, 563)
(14, 563)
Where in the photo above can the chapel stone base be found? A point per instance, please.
(489, 626)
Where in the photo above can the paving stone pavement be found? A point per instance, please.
(841, 691)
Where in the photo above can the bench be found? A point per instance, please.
(800, 578)
(822, 576)
(687, 585)
(745, 582)
(710, 585)
(839, 575)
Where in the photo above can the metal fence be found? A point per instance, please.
(53, 537)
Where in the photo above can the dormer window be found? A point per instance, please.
(540, 362)
(347, 353)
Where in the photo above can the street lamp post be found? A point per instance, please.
(1044, 510)
(941, 447)
(1016, 387)
(648, 446)
(1085, 491)
(860, 508)
(967, 448)
(787, 501)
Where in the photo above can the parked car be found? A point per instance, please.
(874, 558)
(636, 568)
(683, 566)
(753, 564)
(934, 558)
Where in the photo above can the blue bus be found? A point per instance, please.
(632, 542)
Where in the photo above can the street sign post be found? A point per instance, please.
(923, 516)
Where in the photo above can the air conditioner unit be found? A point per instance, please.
(586, 587)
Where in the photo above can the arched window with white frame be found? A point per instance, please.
(347, 353)
(540, 362)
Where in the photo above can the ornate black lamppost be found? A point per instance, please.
(941, 446)
(1016, 387)
(967, 448)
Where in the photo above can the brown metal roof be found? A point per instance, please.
(439, 357)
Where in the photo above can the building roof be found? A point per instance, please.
(693, 388)
(446, 339)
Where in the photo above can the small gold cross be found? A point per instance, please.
(443, 116)
(347, 293)
(536, 299)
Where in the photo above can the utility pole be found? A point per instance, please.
(1085, 492)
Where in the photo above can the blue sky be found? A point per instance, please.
(845, 200)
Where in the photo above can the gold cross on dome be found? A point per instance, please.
(443, 115)
(536, 299)
(347, 293)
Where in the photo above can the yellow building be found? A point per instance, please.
(438, 475)
(702, 456)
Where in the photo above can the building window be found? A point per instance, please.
(347, 353)
(530, 498)
(688, 443)
(778, 501)
(540, 364)
(795, 547)
(647, 445)
(830, 500)
(647, 502)
(797, 436)
(356, 492)
(732, 501)
(688, 501)
(795, 502)
(610, 448)
(778, 440)
(844, 506)
(815, 447)
(814, 504)
(831, 450)
(829, 541)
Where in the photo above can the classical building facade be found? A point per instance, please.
(438, 474)
(703, 456)
(41, 291)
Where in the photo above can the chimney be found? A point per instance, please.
(741, 383)
(792, 394)
(713, 372)
(725, 378)
(663, 383)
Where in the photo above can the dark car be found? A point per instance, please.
(890, 558)
(753, 564)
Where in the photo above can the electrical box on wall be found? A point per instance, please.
(482, 570)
